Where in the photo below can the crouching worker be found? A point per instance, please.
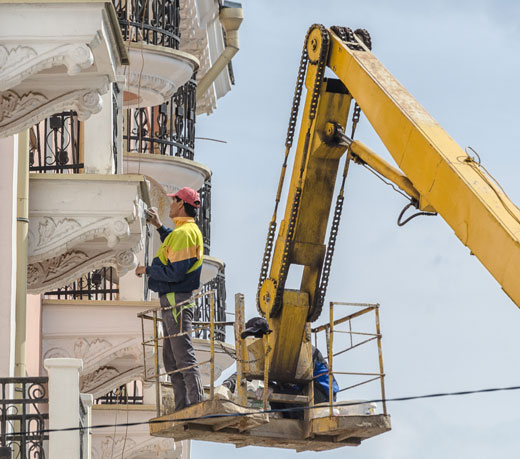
(174, 274)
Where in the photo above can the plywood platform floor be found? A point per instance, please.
(258, 429)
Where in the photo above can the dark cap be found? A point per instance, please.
(257, 327)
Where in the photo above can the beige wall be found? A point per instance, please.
(8, 169)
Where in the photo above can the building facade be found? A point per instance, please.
(98, 108)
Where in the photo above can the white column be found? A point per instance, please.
(88, 401)
(99, 143)
(64, 406)
(8, 187)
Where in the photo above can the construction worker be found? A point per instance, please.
(174, 274)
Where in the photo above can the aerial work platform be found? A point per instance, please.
(215, 420)
(252, 416)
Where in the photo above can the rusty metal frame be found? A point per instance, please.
(330, 330)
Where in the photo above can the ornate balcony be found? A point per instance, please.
(46, 69)
(107, 336)
(157, 67)
(79, 223)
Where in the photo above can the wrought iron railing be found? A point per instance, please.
(100, 284)
(204, 215)
(116, 139)
(127, 394)
(23, 414)
(54, 145)
(202, 309)
(155, 22)
(166, 129)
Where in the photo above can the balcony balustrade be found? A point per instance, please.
(154, 22)
(204, 215)
(54, 145)
(202, 309)
(96, 285)
(127, 394)
(166, 129)
(23, 415)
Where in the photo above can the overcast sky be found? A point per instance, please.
(447, 326)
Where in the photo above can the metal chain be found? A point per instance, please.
(234, 356)
(300, 80)
(284, 264)
(346, 35)
(293, 118)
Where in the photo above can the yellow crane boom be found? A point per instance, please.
(437, 174)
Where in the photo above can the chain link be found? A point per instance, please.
(347, 35)
(284, 265)
(234, 356)
(300, 80)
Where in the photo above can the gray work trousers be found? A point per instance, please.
(178, 352)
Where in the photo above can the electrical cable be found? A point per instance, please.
(209, 138)
(417, 214)
(279, 410)
(368, 168)
(478, 168)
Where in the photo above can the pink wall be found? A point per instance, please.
(33, 335)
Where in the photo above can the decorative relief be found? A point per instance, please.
(75, 264)
(50, 235)
(37, 107)
(88, 104)
(51, 268)
(114, 446)
(18, 63)
(126, 261)
(77, 58)
(142, 445)
(50, 229)
(85, 348)
(116, 230)
(13, 106)
(56, 353)
(100, 376)
(159, 86)
(10, 58)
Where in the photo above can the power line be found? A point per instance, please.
(277, 410)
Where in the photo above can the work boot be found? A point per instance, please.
(179, 392)
(194, 387)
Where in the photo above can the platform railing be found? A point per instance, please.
(355, 340)
(156, 342)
